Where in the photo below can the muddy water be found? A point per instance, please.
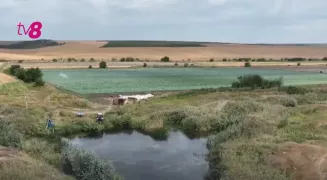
(139, 157)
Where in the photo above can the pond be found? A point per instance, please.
(140, 157)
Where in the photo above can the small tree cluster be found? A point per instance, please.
(165, 59)
(247, 64)
(256, 81)
(128, 59)
(103, 64)
(28, 75)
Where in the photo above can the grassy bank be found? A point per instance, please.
(246, 126)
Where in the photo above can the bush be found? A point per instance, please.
(295, 59)
(13, 68)
(9, 135)
(298, 64)
(82, 60)
(20, 61)
(145, 65)
(102, 64)
(165, 59)
(54, 60)
(225, 60)
(39, 82)
(90, 66)
(185, 64)
(85, 165)
(32, 74)
(256, 81)
(20, 73)
(295, 90)
(176, 64)
(211, 60)
(247, 64)
(92, 60)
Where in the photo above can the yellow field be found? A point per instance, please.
(90, 49)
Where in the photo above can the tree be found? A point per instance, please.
(103, 64)
(298, 64)
(145, 65)
(247, 64)
(165, 59)
(20, 73)
(13, 68)
(39, 82)
(32, 74)
(90, 66)
(54, 60)
(211, 60)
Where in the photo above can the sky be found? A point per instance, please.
(235, 21)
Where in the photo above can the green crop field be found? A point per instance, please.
(89, 81)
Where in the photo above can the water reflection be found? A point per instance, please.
(140, 157)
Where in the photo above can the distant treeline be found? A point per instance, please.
(152, 44)
(263, 59)
(30, 44)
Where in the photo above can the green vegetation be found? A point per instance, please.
(152, 44)
(103, 64)
(247, 64)
(165, 59)
(177, 78)
(145, 65)
(256, 81)
(85, 165)
(30, 44)
(90, 66)
(27, 75)
(211, 60)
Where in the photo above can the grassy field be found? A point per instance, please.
(90, 81)
(92, 49)
(250, 131)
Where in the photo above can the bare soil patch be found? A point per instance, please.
(308, 162)
(4, 78)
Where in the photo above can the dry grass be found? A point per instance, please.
(4, 78)
(19, 166)
(90, 49)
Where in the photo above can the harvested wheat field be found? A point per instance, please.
(91, 49)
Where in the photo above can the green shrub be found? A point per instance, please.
(102, 64)
(145, 65)
(13, 68)
(90, 66)
(39, 82)
(211, 60)
(224, 60)
(32, 74)
(185, 64)
(20, 61)
(176, 64)
(256, 81)
(54, 60)
(295, 90)
(122, 60)
(298, 64)
(85, 165)
(9, 135)
(165, 59)
(82, 60)
(20, 73)
(247, 64)
(92, 60)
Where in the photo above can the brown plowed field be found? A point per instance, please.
(90, 49)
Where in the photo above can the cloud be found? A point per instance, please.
(206, 20)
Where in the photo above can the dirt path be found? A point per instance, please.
(4, 78)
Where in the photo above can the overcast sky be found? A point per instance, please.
(246, 21)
